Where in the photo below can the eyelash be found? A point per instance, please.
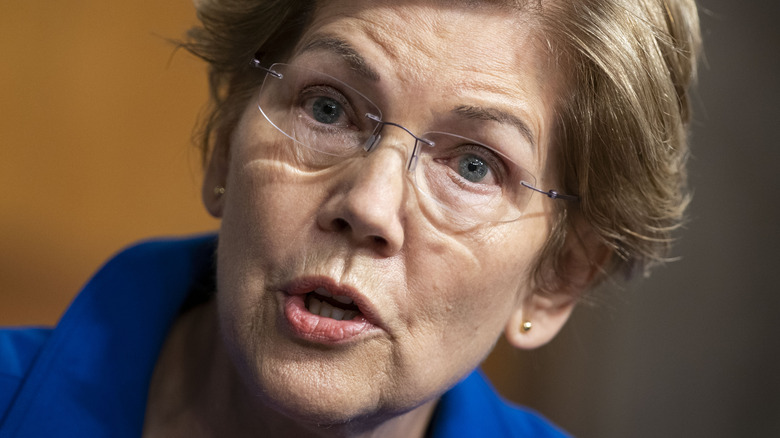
(495, 164)
(310, 92)
(491, 158)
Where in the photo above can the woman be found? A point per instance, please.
(399, 183)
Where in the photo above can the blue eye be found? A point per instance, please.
(472, 168)
(326, 110)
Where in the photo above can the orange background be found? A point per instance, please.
(96, 114)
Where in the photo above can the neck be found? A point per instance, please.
(196, 392)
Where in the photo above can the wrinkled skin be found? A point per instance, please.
(440, 298)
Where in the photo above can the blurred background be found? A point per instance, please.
(96, 113)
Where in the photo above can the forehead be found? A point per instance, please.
(433, 40)
(422, 35)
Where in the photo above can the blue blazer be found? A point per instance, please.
(89, 376)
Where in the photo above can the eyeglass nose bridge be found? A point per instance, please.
(376, 137)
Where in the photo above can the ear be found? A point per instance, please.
(582, 261)
(216, 178)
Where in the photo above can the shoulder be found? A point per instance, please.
(18, 349)
(106, 344)
(165, 254)
(473, 408)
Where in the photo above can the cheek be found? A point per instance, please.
(270, 203)
(481, 270)
(267, 217)
(266, 213)
(464, 290)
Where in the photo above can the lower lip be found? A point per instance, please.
(315, 328)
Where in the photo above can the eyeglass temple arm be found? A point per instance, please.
(255, 62)
(552, 194)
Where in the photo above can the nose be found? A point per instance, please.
(367, 203)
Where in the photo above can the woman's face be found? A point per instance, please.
(431, 299)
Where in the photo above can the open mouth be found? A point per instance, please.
(323, 303)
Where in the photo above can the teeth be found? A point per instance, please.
(342, 299)
(337, 314)
(323, 292)
(315, 305)
(326, 310)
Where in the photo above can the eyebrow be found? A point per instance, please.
(496, 115)
(346, 52)
(359, 64)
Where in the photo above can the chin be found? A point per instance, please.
(332, 394)
(323, 403)
(304, 387)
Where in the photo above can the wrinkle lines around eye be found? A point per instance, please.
(270, 169)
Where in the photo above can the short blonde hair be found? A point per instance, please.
(622, 122)
(621, 118)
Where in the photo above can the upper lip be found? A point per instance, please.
(304, 285)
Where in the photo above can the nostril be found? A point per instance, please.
(340, 224)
